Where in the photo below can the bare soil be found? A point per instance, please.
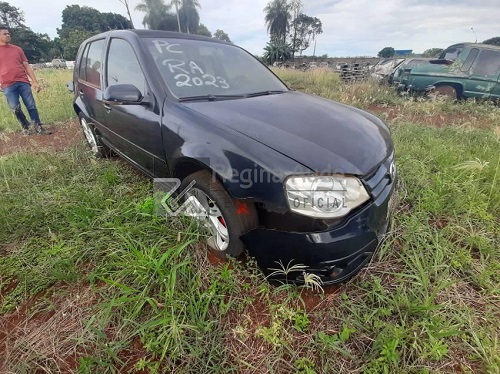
(64, 135)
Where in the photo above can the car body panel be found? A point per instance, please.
(307, 129)
(474, 72)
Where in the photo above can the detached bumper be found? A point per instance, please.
(335, 255)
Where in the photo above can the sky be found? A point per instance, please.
(350, 27)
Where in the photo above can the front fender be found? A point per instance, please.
(247, 168)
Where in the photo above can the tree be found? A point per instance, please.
(157, 14)
(432, 52)
(116, 21)
(125, 2)
(277, 19)
(387, 52)
(221, 35)
(176, 3)
(203, 30)
(493, 41)
(277, 50)
(85, 18)
(189, 17)
(36, 47)
(296, 9)
(71, 42)
(11, 16)
(306, 28)
(79, 23)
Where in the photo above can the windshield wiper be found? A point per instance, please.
(263, 93)
(210, 97)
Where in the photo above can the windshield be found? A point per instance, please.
(193, 68)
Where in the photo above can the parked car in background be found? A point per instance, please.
(296, 179)
(384, 68)
(465, 70)
(59, 63)
(70, 64)
(409, 63)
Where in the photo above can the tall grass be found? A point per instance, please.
(428, 303)
(53, 101)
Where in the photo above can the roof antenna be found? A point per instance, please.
(472, 28)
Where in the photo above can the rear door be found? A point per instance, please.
(134, 129)
(89, 83)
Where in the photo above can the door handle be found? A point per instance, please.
(107, 108)
(80, 93)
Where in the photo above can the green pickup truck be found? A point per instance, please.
(462, 70)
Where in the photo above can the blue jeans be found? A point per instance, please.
(23, 90)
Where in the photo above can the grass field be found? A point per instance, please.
(104, 286)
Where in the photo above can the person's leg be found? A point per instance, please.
(12, 95)
(29, 102)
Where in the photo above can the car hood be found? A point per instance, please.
(322, 135)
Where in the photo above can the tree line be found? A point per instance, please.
(81, 22)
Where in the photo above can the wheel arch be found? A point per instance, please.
(459, 88)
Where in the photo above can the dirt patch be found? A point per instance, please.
(43, 332)
(64, 135)
(435, 120)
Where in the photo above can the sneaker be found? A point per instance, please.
(30, 130)
(40, 130)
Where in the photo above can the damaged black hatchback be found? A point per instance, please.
(295, 179)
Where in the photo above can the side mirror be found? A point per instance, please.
(124, 94)
(71, 86)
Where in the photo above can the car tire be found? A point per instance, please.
(227, 218)
(98, 149)
(445, 92)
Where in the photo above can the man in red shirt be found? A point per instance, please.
(14, 73)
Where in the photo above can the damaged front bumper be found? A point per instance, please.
(335, 254)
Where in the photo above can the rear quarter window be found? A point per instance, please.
(487, 63)
(91, 65)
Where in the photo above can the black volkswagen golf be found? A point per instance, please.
(299, 181)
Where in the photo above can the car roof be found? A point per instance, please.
(156, 34)
(477, 45)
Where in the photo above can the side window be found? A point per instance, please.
(487, 63)
(83, 64)
(470, 59)
(451, 54)
(93, 63)
(123, 66)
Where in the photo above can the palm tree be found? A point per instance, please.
(156, 11)
(277, 19)
(277, 50)
(190, 19)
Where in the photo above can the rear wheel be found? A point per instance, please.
(223, 218)
(444, 92)
(98, 149)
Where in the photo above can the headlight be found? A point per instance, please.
(325, 196)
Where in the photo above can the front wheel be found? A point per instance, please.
(223, 218)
